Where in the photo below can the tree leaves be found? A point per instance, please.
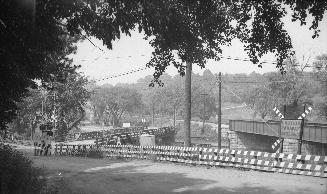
(111, 103)
(36, 46)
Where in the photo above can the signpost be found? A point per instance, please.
(126, 125)
(291, 129)
(279, 142)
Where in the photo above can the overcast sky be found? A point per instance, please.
(134, 52)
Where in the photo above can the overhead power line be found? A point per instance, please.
(123, 74)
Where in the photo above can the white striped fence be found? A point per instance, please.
(270, 162)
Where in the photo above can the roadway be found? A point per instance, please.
(95, 176)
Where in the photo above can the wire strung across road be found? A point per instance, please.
(142, 55)
(123, 74)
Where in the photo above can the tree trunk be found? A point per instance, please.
(77, 121)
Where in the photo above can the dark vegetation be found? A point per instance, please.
(38, 36)
(17, 174)
(244, 96)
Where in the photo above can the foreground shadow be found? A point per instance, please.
(130, 179)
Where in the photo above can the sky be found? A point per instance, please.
(130, 53)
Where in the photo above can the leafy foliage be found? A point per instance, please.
(33, 45)
(111, 103)
(69, 100)
(17, 174)
(37, 36)
(65, 100)
(291, 89)
(320, 65)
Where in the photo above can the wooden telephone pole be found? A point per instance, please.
(219, 111)
(301, 135)
(188, 105)
(204, 108)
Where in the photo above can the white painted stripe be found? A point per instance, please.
(260, 162)
(290, 165)
(308, 166)
(282, 164)
(307, 157)
(290, 156)
(317, 158)
(317, 168)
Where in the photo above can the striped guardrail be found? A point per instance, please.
(72, 150)
(253, 160)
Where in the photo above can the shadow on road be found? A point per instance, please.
(111, 176)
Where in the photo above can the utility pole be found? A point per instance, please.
(204, 108)
(153, 115)
(174, 116)
(219, 111)
(301, 134)
(188, 105)
(280, 133)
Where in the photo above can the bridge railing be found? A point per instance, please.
(314, 132)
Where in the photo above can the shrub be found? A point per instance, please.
(17, 174)
(95, 153)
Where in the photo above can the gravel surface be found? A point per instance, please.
(85, 175)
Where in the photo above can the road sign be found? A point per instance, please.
(290, 129)
(126, 124)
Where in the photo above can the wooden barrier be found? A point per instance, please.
(270, 162)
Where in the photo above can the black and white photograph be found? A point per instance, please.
(163, 96)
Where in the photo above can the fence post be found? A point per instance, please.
(56, 147)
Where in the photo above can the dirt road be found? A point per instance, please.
(85, 175)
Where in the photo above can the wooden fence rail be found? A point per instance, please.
(270, 162)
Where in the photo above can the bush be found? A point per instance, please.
(17, 174)
(95, 153)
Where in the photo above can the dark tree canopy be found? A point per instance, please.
(31, 47)
(37, 36)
